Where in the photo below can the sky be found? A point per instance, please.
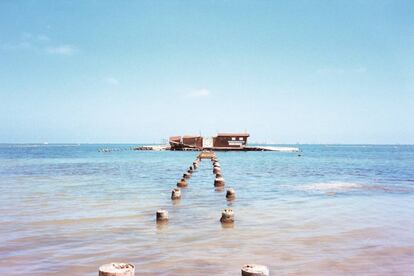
(141, 71)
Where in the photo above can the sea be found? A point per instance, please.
(66, 209)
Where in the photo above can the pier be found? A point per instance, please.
(246, 148)
(226, 218)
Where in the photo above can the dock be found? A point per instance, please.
(246, 148)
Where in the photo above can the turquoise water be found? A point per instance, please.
(67, 209)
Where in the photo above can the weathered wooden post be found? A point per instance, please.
(227, 216)
(230, 194)
(175, 194)
(186, 175)
(216, 170)
(219, 182)
(117, 269)
(182, 183)
(254, 270)
(162, 215)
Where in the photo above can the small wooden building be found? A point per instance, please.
(222, 141)
(230, 140)
(186, 142)
(193, 141)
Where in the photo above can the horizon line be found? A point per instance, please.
(152, 143)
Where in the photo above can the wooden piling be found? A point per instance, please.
(186, 175)
(254, 270)
(162, 215)
(182, 183)
(175, 194)
(230, 194)
(117, 269)
(216, 170)
(219, 182)
(227, 216)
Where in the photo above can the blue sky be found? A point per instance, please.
(140, 71)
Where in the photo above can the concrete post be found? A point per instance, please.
(219, 182)
(176, 193)
(230, 194)
(117, 269)
(162, 215)
(227, 216)
(254, 270)
(186, 175)
(182, 183)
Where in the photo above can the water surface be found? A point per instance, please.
(66, 209)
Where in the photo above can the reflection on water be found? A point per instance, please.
(334, 210)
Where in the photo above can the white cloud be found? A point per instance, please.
(38, 43)
(112, 81)
(64, 50)
(199, 93)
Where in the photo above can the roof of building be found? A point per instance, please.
(233, 134)
(191, 136)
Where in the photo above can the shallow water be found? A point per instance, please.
(66, 209)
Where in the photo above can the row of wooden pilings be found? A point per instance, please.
(115, 149)
(124, 269)
(227, 217)
(227, 214)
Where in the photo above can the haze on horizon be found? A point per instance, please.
(140, 71)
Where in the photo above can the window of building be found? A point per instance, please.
(233, 138)
(240, 138)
